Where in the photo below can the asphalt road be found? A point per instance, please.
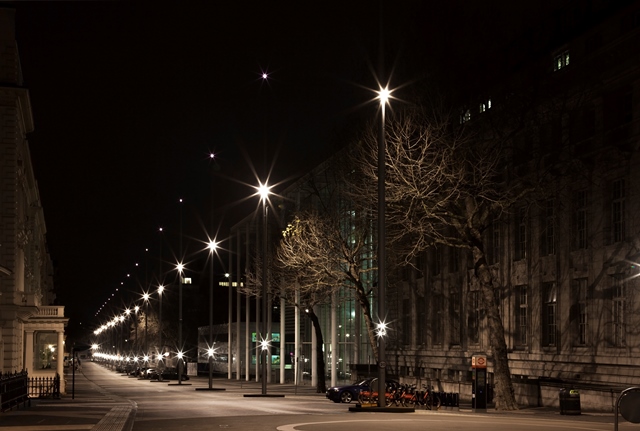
(158, 406)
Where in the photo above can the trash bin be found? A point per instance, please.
(569, 402)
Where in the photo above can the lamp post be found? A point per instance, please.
(212, 248)
(145, 297)
(180, 267)
(160, 290)
(383, 96)
(263, 191)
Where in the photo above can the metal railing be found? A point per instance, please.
(44, 387)
(13, 390)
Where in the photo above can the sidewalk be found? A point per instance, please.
(85, 406)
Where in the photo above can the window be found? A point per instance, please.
(485, 106)
(473, 324)
(522, 315)
(454, 259)
(438, 317)
(406, 321)
(495, 243)
(618, 211)
(436, 266)
(521, 234)
(47, 352)
(454, 302)
(561, 60)
(580, 216)
(465, 116)
(618, 299)
(579, 316)
(549, 314)
(548, 234)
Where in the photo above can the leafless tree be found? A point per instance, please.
(444, 186)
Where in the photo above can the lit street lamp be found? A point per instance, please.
(160, 290)
(383, 96)
(180, 267)
(145, 297)
(263, 192)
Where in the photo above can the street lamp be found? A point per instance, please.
(263, 192)
(212, 246)
(145, 297)
(383, 96)
(160, 290)
(180, 268)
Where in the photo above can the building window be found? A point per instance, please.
(485, 106)
(454, 259)
(561, 60)
(454, 302)
(438, 317)
(522, 315)
(473, 325)
(495, 242)
(580, 215)
(406, 321)
(465, 116)
(549, 314)
(436, 266)
(579, 316)
(618, 300)
(521, 234)
(548, 234)
(47, 351)
(618, 211)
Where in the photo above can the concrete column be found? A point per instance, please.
(334, 340)
(282, 347)
(298, 346)
(29, 348)
(60, 364)
(314, 359)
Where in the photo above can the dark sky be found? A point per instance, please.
(130, 98)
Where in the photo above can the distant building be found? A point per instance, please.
(32, 336)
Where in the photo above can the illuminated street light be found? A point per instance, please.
(383, 96)
(263, 192)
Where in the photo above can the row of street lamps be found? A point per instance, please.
(263, 191)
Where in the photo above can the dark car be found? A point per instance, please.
(170, 374)
(348, 393)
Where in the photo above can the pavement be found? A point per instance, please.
(88, 406)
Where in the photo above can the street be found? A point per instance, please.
(169, 406)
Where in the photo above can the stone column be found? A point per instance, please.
(60, 364)
(29, 348)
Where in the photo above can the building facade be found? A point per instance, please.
(32, 329)
(567, 265)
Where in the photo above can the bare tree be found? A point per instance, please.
(444, 186)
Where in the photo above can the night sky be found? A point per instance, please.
(129, 99)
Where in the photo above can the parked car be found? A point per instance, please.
(172, 374)
(348, 393)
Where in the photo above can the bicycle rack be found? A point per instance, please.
(627, 405)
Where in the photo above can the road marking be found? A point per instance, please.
(292, 427)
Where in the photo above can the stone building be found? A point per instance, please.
(567, 265)
(32, 329)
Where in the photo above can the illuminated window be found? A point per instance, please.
(466, 116)
(561, 60)
(485, 106)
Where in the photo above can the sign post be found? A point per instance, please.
(479, 373)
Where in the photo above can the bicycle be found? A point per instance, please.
(425, 398)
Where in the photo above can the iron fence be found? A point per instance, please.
(13, 390)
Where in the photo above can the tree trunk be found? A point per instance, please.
(504, 395)
(361, 296)
(321, 386)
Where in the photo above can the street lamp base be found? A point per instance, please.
(211, 389)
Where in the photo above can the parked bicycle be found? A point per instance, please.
(425, 398)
